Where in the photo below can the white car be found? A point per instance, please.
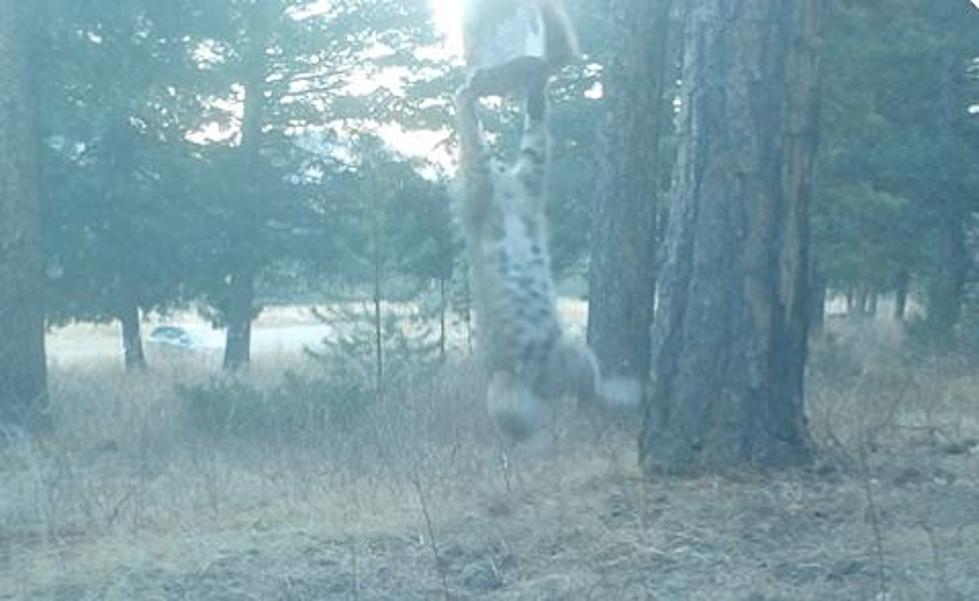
(176, 337)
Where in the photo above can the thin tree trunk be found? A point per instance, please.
(241, 289)
(132, 339)
(241, 307)
(377, 248)
(817, 303)
(860, 303)
(622, 278)
(23, 372)
(443, 307)
(378, 347)
(946, 290)
(970, 308)
(468, 314)
(901, 286)
(730, 336)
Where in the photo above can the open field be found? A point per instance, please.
(131, 499)
(278, 331)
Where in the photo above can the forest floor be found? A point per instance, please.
(128, 500)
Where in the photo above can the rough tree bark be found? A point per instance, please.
(730, 337)
(622, 278)
(23, 377)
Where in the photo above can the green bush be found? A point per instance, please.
(225, 406)
(298, 404)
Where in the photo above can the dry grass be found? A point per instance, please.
(130, 500)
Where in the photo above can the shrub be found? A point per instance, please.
(297, 404)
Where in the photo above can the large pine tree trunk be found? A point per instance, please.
(23, 377)
(623, 274)
(730, 338)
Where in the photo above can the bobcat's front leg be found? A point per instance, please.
(532, 162)
(474, 160)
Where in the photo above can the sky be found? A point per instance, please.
(448, 18)
(427, 144)
(447, 15)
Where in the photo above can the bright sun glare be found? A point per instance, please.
(448, 19)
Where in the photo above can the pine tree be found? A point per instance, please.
(622, 272)
(730, 336)
(23, 379)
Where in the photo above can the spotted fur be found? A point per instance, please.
(519, 334)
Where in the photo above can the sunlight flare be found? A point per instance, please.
(447, 15)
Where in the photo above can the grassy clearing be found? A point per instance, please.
(135, 498)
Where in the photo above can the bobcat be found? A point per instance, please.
(519, 335)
